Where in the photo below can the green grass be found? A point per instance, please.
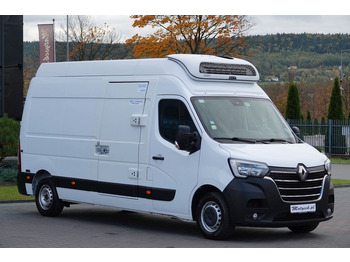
(340, 161)
(340, 182)
(11, 193)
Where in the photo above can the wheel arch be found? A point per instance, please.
(40, 175)
(200, 192)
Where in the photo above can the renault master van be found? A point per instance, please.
(189, 136)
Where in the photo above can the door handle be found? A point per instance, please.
(101, 150)
(158, 157)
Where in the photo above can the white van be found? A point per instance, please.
(189, 136)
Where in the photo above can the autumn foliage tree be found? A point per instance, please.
(195, 34)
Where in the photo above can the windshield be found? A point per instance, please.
(242, 120)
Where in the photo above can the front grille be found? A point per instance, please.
(292, 189)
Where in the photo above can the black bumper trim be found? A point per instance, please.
(22, 180)
(162, 194)
(257, 202)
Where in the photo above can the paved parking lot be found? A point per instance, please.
(341, 171)
(90, 226)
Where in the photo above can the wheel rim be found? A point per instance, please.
(211, 216)
(45, 197)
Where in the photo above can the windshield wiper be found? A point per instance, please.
(254, 141)
(272, 140)
(238, 139)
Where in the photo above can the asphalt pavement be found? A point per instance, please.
(89, 226)
(341, 171)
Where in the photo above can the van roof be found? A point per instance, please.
(199, 67)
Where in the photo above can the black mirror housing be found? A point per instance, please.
(185, 140)
(296, 130)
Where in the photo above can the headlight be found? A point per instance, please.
(242, 168)
(328, 166)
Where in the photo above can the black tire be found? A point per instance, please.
(304, 228)
(46, 199)
(213, 217)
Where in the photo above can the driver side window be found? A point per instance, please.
(172, 113)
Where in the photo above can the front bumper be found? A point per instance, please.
(257, 202)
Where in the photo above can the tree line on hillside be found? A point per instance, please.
(314, 49)
(315, 43)
(308, 66)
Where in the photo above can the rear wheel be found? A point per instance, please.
(304, 228)
(46, 199)
(213, 216)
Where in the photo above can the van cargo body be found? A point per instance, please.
(190, 136)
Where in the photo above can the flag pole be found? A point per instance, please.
(67, 41)
(54, 44)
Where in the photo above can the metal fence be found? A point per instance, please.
(331, 136)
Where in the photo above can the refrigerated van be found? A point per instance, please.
(189, 136)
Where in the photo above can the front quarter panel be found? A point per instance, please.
(214, 169)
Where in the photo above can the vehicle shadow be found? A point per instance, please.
(130, 220)
(138, 223)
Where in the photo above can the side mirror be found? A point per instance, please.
(185, 140)
(296, 131)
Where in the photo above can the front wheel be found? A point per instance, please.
(304, 228)
(46, 199)
(213, 216)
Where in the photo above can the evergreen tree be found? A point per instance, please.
(316, 127)
(293, 110)
(308, 115)
(335, 109)
(324, 126)
(308, 123)
(9, 135)
(335, 112)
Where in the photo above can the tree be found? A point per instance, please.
(335, 108)
(308, 115)
(324, 126)
(88, 41)
(309, 128)
(293, 110)
(9, 136)
(30, 66)
(335, 112)
(195, 34)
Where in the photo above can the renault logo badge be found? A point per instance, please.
(302, 172)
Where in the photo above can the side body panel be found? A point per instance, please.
(61, 126)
